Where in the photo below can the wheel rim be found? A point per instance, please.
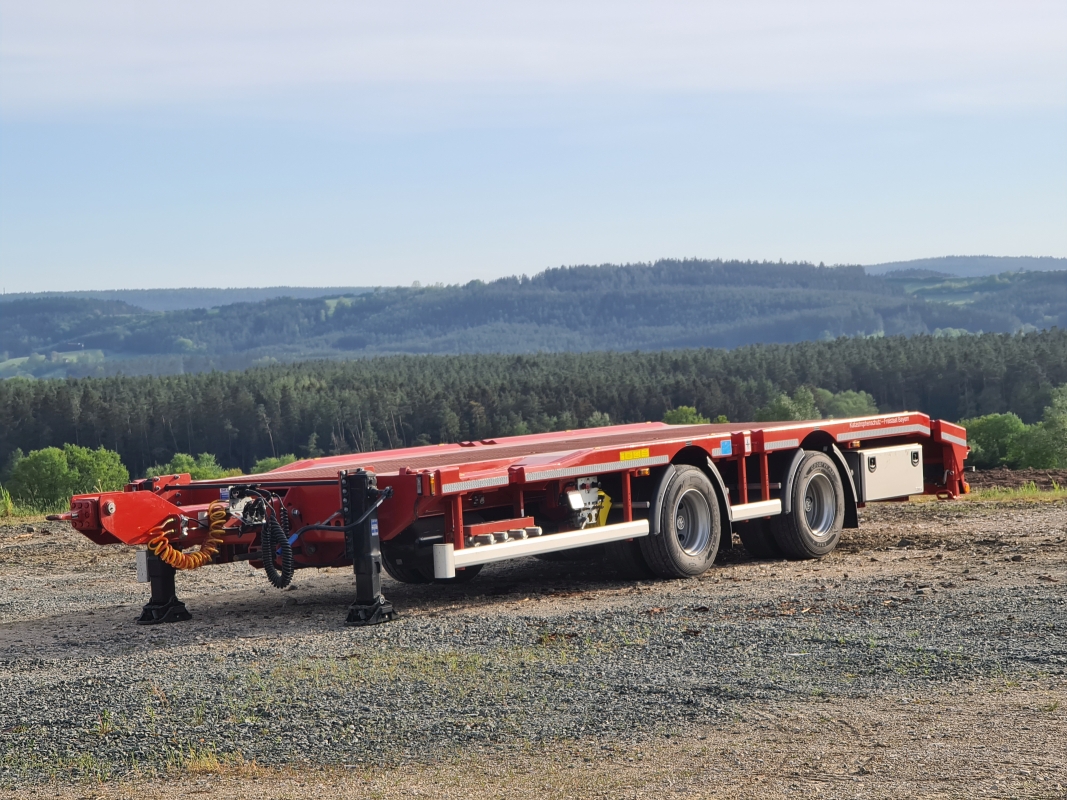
(692, 522)
(820, 506)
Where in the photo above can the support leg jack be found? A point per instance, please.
(359, 490)
(164, 605)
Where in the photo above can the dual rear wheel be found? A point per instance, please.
(812, 528)
(690, 527)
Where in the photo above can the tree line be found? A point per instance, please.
(322, 407)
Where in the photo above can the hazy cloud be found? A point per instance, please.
(66, 55)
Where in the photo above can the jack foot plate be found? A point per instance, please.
(377, 612)
(173, 610)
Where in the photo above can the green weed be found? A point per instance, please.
(7, 505)
(104, 724)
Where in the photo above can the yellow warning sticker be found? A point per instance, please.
(630, 455)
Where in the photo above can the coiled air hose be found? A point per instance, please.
(275, 540)
(169, 554)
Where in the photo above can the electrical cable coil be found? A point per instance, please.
(275, 542)
(169, 554)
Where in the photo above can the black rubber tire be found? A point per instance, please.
(403, 560)
(813, 528)
(686, 507)
(626, 558)
(758, 539)
(395, 560)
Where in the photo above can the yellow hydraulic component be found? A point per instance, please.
(605, 507)
(161, 546)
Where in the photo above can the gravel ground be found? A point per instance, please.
(932, 617)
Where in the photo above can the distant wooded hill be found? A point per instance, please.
(669, 304)
(973, 266)
(181, 299)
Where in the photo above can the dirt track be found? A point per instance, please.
(926, 657)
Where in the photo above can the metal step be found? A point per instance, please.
(446, 558)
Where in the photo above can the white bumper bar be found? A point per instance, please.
(446, 558)
(763, 508)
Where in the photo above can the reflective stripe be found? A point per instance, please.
(481, 483)
(876, 432)
(948, 437)
(594, 469)
(783, 443)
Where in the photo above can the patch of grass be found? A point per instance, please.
(194, 760)
(375, 665)
(15, 512)
(21, 517)
(197, 762)
(19, 512)
(87, 765)
(546, 637)
(1028, 491)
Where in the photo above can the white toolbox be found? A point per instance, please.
(882, 473)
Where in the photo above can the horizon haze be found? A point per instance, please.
(209, 144)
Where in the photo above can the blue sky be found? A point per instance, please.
(338, 143)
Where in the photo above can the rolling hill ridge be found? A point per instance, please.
(665, 305)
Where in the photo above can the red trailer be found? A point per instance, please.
(662, 499)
